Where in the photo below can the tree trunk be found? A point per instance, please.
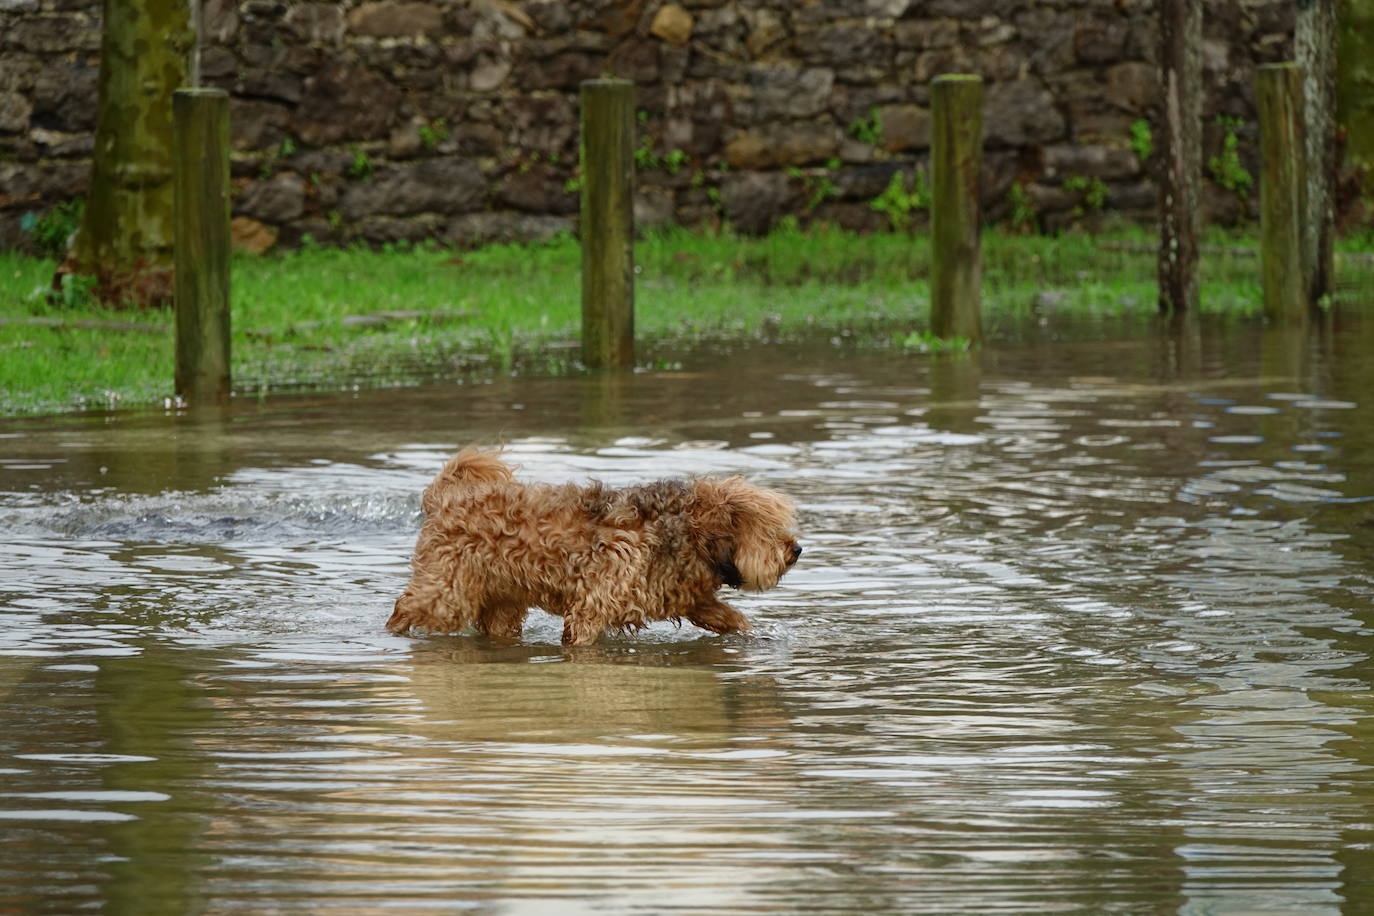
(1355, 109)
(1180, 72)
(125, 237)
(1314, 42)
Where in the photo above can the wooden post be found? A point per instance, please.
(607, 226)
(956, 267)
(200, 162)
(1180, 134)
(1278, 95)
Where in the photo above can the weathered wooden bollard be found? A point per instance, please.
(1278, 95)
(956, 267)
(607, 225)
(200, 160)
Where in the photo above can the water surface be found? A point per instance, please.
(1081, 627)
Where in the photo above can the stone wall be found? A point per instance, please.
(457, 119)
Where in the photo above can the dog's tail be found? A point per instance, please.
(468, 467)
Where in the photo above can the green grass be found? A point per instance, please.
(517, 307)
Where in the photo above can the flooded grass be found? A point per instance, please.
(341, 319)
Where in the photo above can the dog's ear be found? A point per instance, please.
(723, 556)
(757, 523)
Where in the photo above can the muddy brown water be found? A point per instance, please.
(1081, 627)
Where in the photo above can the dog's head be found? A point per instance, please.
(749, 532)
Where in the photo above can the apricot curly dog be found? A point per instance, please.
(602, 559)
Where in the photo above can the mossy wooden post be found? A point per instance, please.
(956, 268)
(200, 151)
(607, 225)
(1278, 95)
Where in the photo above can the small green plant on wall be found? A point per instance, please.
(1021, 213)
(900, 199)
(284, 150)
(1092, 193)
(433, 133)
(645, 157)
(868, 130)
(1142, 140)
(361, 167)
(717, 203)
(1225, 167)
(819, 187)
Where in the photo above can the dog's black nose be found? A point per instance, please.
(794, 554)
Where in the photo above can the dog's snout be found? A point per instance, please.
(793, 554)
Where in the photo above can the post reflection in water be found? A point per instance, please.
(1082, 626)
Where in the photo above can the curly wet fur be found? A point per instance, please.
(601, 558)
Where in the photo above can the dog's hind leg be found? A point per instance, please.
(504, 621)
(582, 626)
(717, 616)
(590, 613)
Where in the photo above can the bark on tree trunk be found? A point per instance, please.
(125, 237)
(1314, 42)
(1180, 71)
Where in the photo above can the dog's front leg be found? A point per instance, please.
(717, 616)
(422, 607)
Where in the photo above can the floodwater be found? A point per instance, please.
(1081, 627)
